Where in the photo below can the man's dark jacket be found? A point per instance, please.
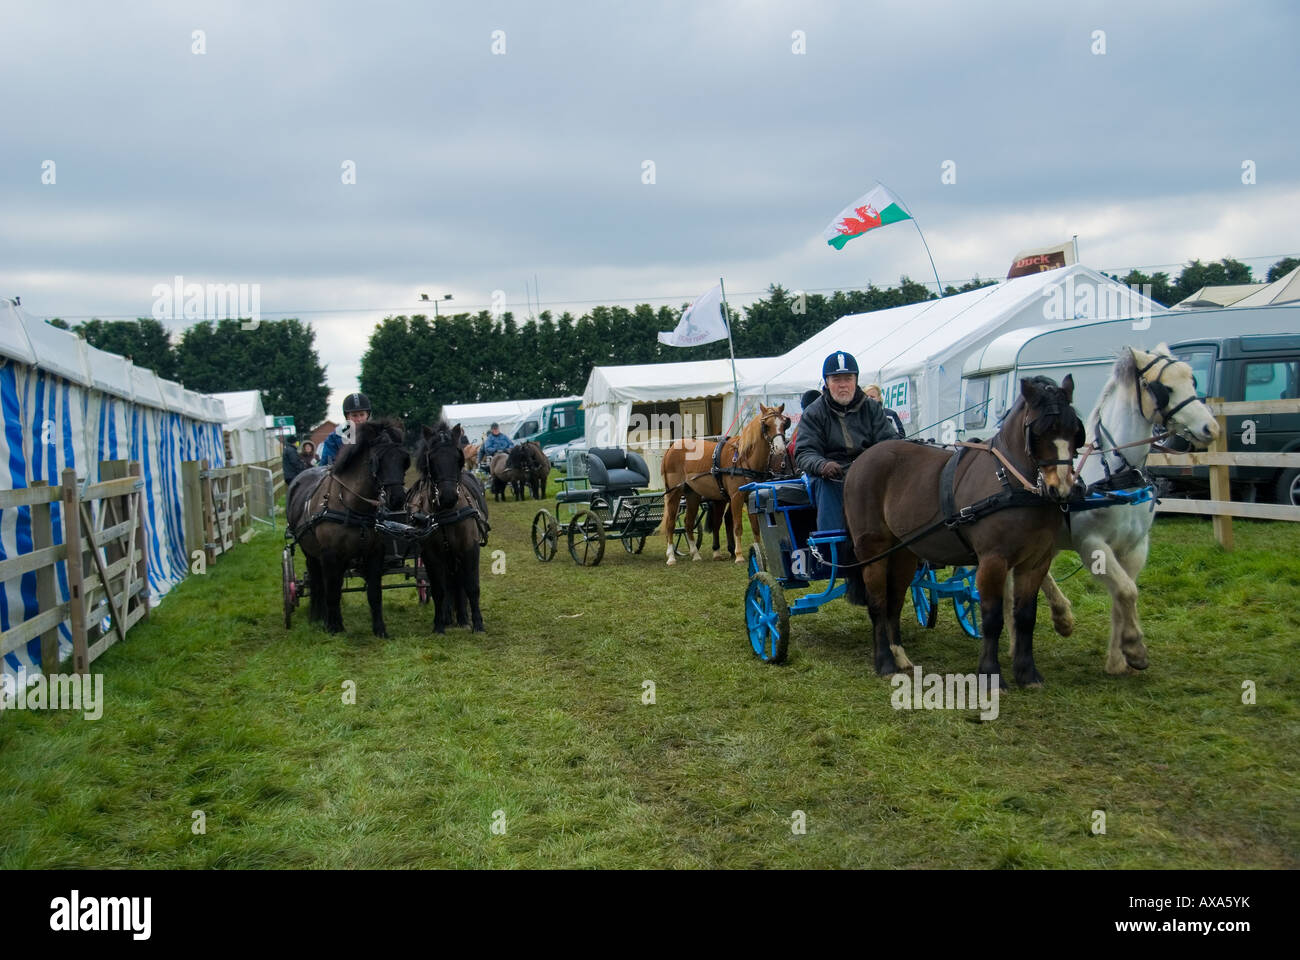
(291, 460)
(829, 431)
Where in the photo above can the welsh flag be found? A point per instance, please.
(875, 208)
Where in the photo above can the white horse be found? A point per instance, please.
(1145, 390)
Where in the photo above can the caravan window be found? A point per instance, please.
(527, 429)
(977, 407)
(562, 418)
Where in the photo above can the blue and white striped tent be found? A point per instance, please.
(67, 404)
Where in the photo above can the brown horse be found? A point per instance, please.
(452, 497)
(332, 510)
(530, 466)
(688, 468)
(892, 491)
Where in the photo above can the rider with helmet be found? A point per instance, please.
(356, 410)
(835, 428)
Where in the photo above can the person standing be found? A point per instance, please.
(873, 391)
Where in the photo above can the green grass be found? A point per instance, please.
(212, 705)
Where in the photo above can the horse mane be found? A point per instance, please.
(1122, 379)
(750, 439)
(382, 427)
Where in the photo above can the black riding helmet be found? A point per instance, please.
(354, 402)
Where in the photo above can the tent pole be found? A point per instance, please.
(938, 287)
(726, 319)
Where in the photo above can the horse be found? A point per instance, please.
(471, 452)
(536, 468)
(894, 506)
(1145, 391)
(331, 511)
(688, 466)
(504, 475)
(453, 498)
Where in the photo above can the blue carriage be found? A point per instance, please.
(792, 554)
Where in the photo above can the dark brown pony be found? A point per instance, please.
(331, 511)
(536, 468)
(892, 490)
(688, 466)
(453, 498)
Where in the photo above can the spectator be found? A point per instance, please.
(873, 392)
(308, 452)
(290, 460)
(496, 442)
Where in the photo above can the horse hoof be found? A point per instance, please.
(1137, 663)
(480, 629)
(740, 558)
(672, 561)
(696, 556)
(1063, 627)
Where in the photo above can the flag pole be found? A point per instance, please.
(726, 319)
(938, 287)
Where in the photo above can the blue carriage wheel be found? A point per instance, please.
(767, 618)
(923, 584)
(967, 603)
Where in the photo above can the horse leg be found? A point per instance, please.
(470, 581)
(433, 563)
(670, 524)
(375, 592)
(1062, 609)
(688, 521)
(462, 597)
(990, 579)
(333, 569)
(1132, 643)
(901, 574)
(1028, 579)
(1123, 604)
(315, 590)
(876, 580)
(738, 524)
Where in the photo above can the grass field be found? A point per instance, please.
(214, 706)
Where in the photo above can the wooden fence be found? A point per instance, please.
(108, 575)
(105, 556)
(1220, 507)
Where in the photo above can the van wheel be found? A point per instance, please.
(1288, 488)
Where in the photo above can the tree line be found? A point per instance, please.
(413, 364)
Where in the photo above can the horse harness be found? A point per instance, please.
(719, 471)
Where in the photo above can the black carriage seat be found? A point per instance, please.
(792, 495)
(616, 473)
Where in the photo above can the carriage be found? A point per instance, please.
(601, 501)
(402, 532)
(791, 554)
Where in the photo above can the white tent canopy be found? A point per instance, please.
(916, 352)
(477, 418)
(611, 392)
(1285, 289)
(246, 424)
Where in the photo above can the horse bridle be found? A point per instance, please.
(1159, 392)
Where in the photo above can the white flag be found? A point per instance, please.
(701, 322)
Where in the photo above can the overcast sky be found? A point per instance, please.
(476, 170)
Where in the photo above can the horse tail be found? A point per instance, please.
(855, 590)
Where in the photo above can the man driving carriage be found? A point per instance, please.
(356, 409)
(835, 428)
